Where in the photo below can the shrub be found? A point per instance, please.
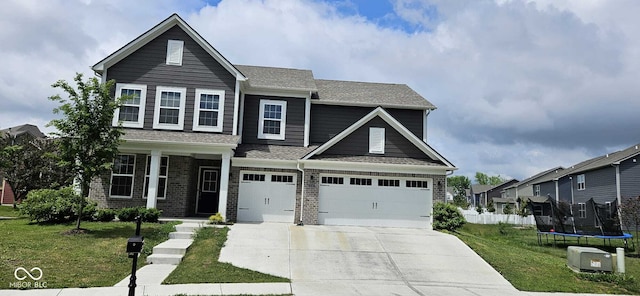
(479, 209)
(89, 210)
(507, 210)
(150, 215)
(216, 219)
(128, 214)
(491, 208)
(447, 216)
(50, 205)
(105, 215)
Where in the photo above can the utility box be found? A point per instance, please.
(589, 259)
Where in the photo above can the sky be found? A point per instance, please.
(520, 86)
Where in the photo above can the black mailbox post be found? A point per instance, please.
(134, 247)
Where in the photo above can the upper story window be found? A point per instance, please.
(169, 111)
(122, 176)
(131, 112)
(209, 109)
(581, 182)
(175, 49)
(376, 140)
(273, 118)
(536, 190)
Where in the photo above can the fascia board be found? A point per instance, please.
(357, 104)
(372, 167)
(177, 148)
(263, 163)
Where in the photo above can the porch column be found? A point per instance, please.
(154, 172)
(224, 184)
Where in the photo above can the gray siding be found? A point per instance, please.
(600, 185)
(564, 189)
(630, 178)
(199, 70)
(329, 120)
(547, 189)
(357, 143)
(294, 129)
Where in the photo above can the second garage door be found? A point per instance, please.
(266, 197)
(375, 201)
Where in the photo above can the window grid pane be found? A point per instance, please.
(209, 102)
(135, 93)
(208, 118)
(169, 116)
(272, 111)
(129, 113)
(170, 99)
(271, 127)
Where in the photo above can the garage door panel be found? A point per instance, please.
(266, 201)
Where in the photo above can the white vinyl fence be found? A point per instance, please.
(490, 218)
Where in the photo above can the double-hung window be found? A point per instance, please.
(162, 177)
(273, 117)
(170, 105)
(131, 112)
(536, 190)
(581, 182)
(122, 176)
(582, 210)
(209, 109)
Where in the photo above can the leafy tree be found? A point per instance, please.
(630, 214)
(484, 179)
(447, 216)
(88, 141)
(460, 184)
(30, 163)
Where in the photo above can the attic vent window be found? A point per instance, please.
(174, 52)
(376, 140)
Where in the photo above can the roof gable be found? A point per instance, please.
(535, 177)
(380, 112)
(151, 34)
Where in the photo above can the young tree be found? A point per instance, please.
(630, 214)
(460, 184)
(88, 141)
(29, 163)
(484, 179)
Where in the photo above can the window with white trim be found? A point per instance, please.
(582, 210)
(273, 118)
(169, 111)
(581, 182)
(536, 190)
(209, 109)
(376, 140)
(175, 48)
(162, 177)
(131, 112)
(122, 176)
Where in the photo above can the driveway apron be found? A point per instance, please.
(342, 260)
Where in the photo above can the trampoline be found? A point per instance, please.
(578, 221)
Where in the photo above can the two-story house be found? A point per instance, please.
(525, 189)
(17, 133)
(203, 135)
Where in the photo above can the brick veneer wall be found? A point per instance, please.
(234, 185)
(312, 179)
(180, 194)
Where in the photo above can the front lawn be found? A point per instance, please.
(8, 211)
(96, 258)
(200, 265)
(515, 253)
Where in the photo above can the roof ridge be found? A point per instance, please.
(270, 67)
(354, 81)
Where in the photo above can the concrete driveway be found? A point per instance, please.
(335, 260)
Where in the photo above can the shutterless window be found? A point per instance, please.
(209, 108)
(581, 182)
(170, 104)
(582, 210)
(162, 177)
(536, 190)
(272, 119)
(417, 184)
(131, 112)
(360, 181)
(332, 180)
(122, 176)
(282, 178)
(253, 177)
(388, 183)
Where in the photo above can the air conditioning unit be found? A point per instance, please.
(589, 259)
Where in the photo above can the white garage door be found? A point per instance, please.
(375, 201)
(266, 197)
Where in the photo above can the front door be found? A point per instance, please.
(208, 191)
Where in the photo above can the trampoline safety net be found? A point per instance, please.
(589, 218)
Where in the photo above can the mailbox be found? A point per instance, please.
(134, 244)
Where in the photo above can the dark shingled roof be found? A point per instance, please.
(377, 159)
(278, 78)
(263, 151)
(178, 137)
(369, 94)
(22, 129)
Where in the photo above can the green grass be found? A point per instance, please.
(200, 265)
(8, 211)
(515, 253)
(96, 258)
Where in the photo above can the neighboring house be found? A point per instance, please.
(604, 178)
(524, 189)
(16, 132)
(500, 204)
(496, 191)
(203, 135)
(479, 195)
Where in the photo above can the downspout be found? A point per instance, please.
(300, 223)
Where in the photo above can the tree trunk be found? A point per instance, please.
(84, 191)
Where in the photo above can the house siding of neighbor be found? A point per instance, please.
(264, 144)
